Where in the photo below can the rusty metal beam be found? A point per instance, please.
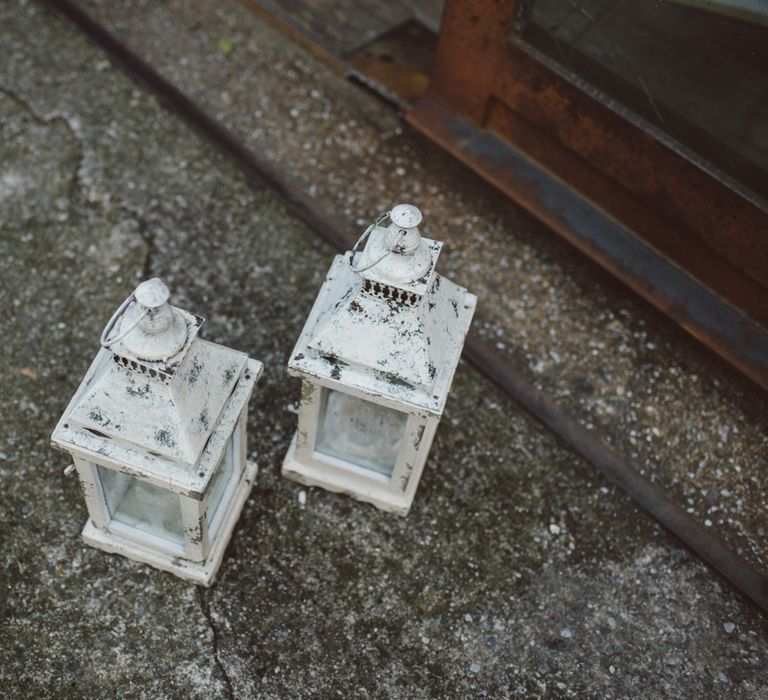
(668, 225)
(482, 72)
(483, 78)
(725, 329)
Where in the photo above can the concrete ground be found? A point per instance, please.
(673, 409)
(518, 573)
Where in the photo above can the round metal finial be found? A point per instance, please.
(152, 293)
(400, 253)
(146, 324)
(405, 215)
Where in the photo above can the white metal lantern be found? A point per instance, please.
(377, 357)
(157, 430)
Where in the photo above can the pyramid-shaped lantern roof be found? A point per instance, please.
(385, 322)
(156, 395)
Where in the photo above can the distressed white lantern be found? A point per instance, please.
(377, 357)
(157, 431)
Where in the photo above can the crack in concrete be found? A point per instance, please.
(205, 606)
(75, 191)
(148, 237)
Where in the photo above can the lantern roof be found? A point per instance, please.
(164, 419)
(384, 339)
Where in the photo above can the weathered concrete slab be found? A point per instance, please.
(678, 413)
(518, 572)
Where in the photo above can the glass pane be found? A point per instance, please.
(221, 479)
(359, 431)
(695, 68)
(143, 506)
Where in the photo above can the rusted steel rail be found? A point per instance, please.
(682, 234)
(739, 573)
(731, 333)
(495, 101)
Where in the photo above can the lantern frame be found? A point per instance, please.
(307, 465)
(350, 344)
(197, 553)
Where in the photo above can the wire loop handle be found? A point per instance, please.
(105, 340)
(365, 235)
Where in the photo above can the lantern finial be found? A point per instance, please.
(403, 236)
(161, 331)
(152, 293)
(146, 326)
(397, 255)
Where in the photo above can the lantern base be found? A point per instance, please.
(202, 573)
(311, 475)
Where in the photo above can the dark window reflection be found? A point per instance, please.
(700, 75)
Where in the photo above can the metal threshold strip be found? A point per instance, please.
(482, 355)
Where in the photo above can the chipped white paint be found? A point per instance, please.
(377, 357)
(157, 430)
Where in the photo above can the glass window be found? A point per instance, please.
(694, 68)
(143, 506)
(222, 478)
(359, 431)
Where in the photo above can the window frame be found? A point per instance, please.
(363, 469)
(213, 525)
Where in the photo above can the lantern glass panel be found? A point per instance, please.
(141, 505)
(359, 431)
(219, 486)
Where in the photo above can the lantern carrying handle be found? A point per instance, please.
(106, 341)
(365, 235)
